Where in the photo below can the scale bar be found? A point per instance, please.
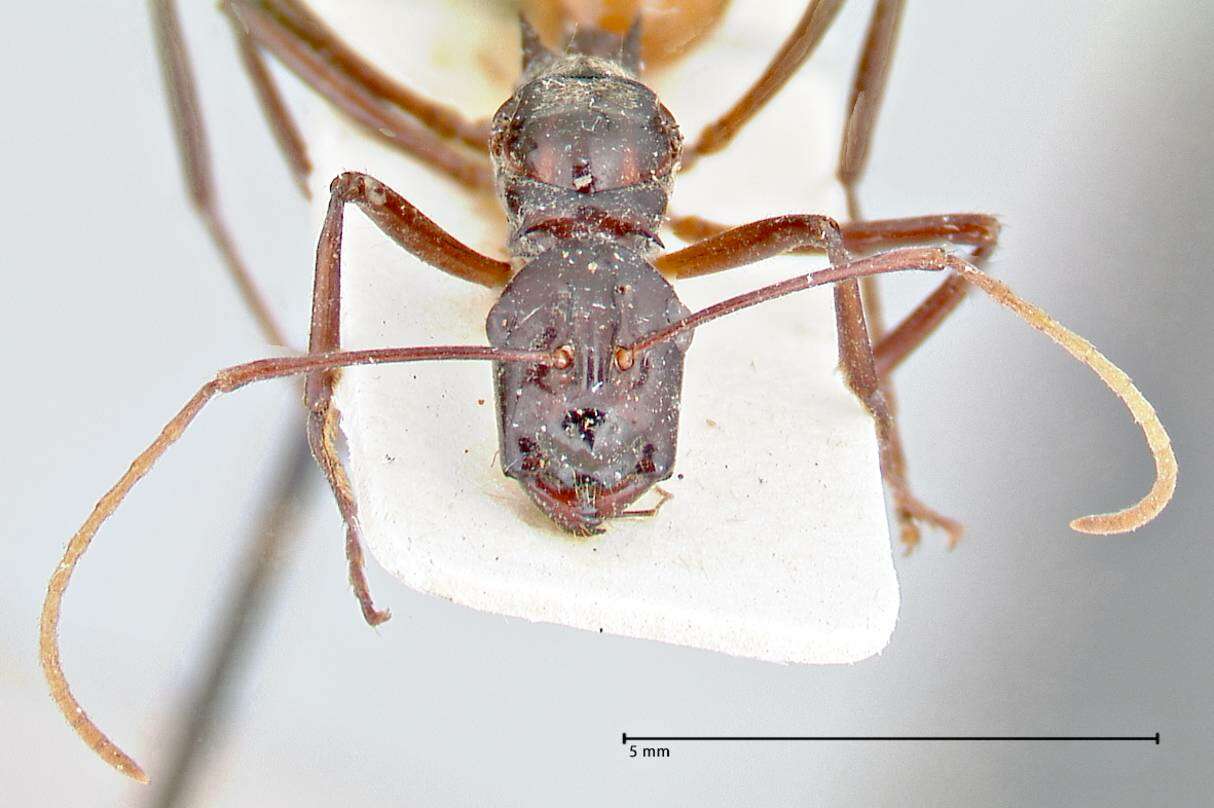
(625, 738)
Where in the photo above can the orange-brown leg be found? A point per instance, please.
(749, 243)
(818, 16)
(286, 132)
(391, 111)
(409, 228)
(196, 159)
(977, 231)
(859, 317)
(306, 28)
(862, 316)
(731, 247)
(433, 134)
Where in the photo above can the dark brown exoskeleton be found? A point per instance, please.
(585, 155)
(588, 336)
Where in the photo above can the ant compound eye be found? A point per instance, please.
(563, 357)
(624, 358)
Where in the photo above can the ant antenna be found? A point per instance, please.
(225, 381)
(1160, 445)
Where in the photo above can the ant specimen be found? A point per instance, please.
(588, 337)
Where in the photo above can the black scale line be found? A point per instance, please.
(626, 738)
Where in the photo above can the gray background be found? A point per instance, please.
(1085, 125)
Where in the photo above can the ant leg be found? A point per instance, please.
(868, 88)
(852, 311)
(859, 369)
(389, 111)
(758, 240)
(444, 121)
(750, 242)
(191, 134)
(978, 231)
(899, 342)
(286, 133)
(196, 159)
(409, 228)
(818, 16)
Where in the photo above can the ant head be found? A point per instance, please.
(588, 436)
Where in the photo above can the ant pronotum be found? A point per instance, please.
(588, 337)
